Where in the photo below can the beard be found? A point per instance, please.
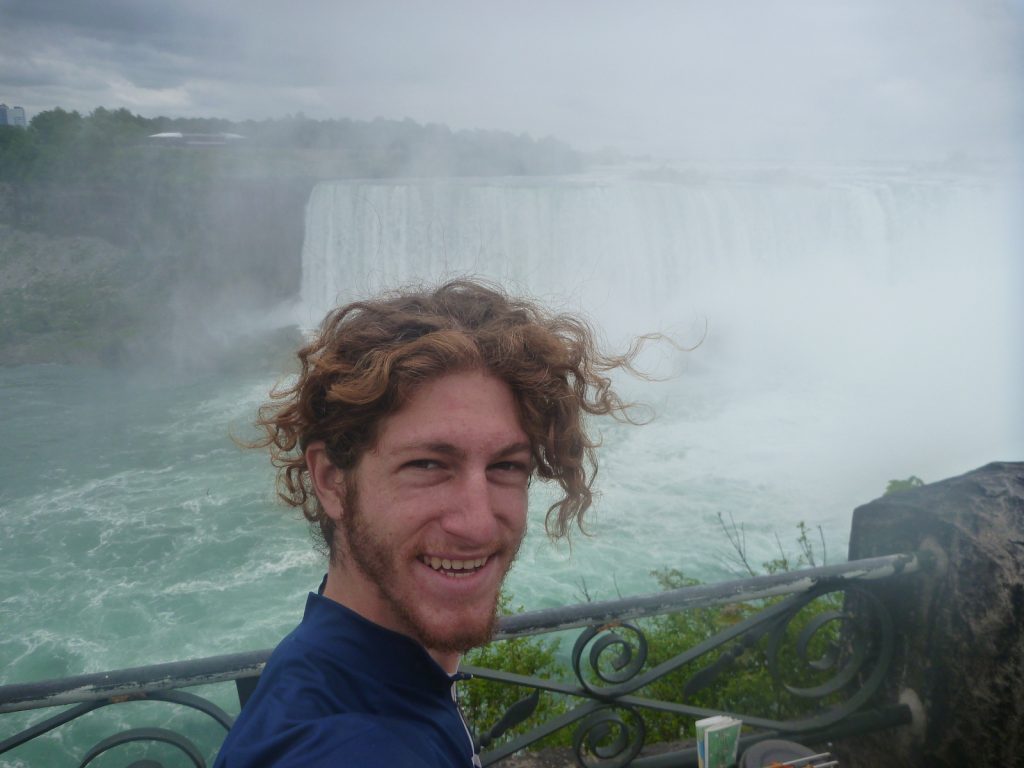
(381, 561)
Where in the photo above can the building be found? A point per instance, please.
(12, 116)
(179, 139)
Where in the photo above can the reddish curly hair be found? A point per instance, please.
(368, 357)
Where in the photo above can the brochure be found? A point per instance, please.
(717, 741)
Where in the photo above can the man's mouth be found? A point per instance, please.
(455, 569)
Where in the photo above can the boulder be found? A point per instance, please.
(959, 624)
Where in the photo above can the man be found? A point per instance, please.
(410, 438)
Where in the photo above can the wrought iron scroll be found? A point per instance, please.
(609, 662)
(146, 734)
(180, 742)
(612, 658)
(609, 737)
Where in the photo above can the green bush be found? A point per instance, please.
(898, 486)
(745, 685)
(484, 702)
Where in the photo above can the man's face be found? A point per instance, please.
(434, 513)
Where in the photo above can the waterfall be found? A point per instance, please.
(624, 240)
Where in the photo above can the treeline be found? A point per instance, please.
(114, 146)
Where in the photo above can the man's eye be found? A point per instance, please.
(510, 466)
(423, 464)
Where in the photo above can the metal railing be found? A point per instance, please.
(603, 699)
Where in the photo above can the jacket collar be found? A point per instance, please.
(378, 651)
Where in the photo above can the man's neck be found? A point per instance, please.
(336, 589)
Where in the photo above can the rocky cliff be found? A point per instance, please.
(93, 273)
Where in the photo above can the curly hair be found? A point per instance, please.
(368, 358)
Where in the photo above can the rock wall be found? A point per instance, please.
(960, 626)
(220, 230)
(104, 274)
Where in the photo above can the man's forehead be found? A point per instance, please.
(453, 409)
(451, 436)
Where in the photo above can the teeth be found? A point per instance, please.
(438, 564)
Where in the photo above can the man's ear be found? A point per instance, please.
(328, 480)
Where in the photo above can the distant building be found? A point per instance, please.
(12, 116)
(177, 138)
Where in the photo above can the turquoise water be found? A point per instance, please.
(135, 531)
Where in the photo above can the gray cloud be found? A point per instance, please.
(158, 25)
(786, 77)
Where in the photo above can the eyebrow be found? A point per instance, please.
(448, 449)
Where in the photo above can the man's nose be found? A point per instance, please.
(470, 515)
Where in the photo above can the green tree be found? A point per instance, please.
(898, 486)
(56, 126)
(17, 154)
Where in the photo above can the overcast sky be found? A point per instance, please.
(815, 79)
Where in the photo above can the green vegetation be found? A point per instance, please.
(744, 685)
(484, 702)
(114, 146)
(103, 175)
(898, 486)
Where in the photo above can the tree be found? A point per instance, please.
(55, 126)
(17, 154)
(898, 486)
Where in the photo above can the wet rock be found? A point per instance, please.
(960, 625)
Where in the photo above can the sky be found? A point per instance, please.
(805, 79)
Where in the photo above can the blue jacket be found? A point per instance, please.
(343, 691)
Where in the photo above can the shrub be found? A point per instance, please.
(745, 684)
(898, 486)
(484, 702)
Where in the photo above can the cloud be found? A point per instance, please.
(160, 26)
(781, 78)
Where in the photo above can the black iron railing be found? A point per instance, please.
(605, 696)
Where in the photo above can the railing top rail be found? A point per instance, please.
(132, 682)
(704, 595)
(135, 682)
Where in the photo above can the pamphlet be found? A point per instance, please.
(717, 741)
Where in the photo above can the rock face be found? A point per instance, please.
(960, 626)
(105, 274)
